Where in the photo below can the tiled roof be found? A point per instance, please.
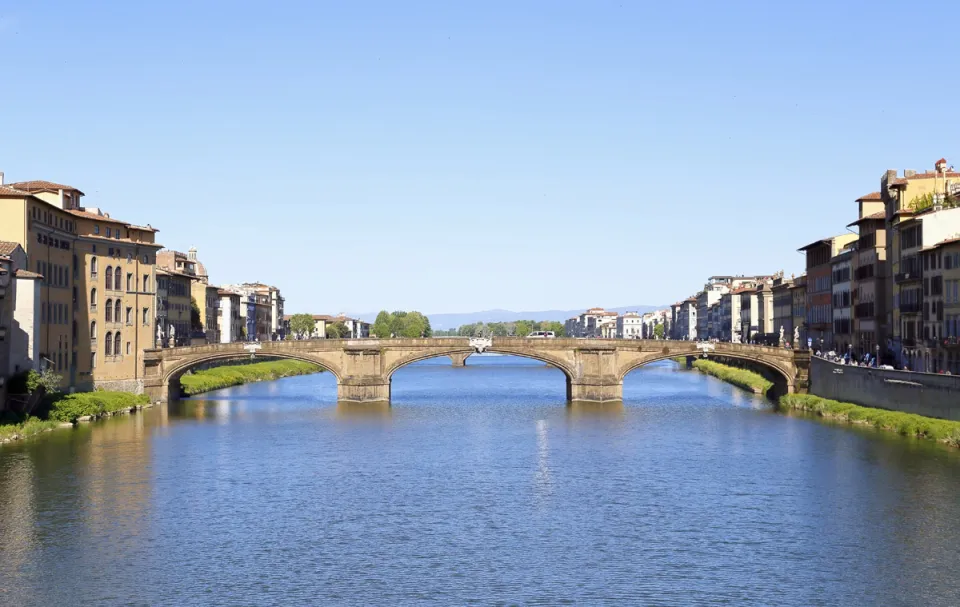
(942, 243)
(871, 197)
(7, 248)
(95, 216)
(28, 274)
(875, 216)
(6, 190)
(144, 228)
(42, 186)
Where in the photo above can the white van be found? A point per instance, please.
(542, 335)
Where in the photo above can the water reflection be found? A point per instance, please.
(364, 411)
(583, 410)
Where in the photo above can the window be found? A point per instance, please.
(129, 257)
(116, 344)
(108, 343)
(93, 298)
(116, 233)
(109, 284)
(96, 229)
(93, 360)
(116, 311)
(129, 316)
(146, 283)
(129, 282)
(93, 331)
(128, 348)
(146, 316)
(93, 267)
(116, 278)
(109, 311)
(109, 233)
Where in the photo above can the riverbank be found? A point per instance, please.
(904, 424)
(748, 380)
(216, 378)
(65, 410)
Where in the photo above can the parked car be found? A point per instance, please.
(542, 335)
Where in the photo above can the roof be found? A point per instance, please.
(871, 197)
(6, 190)
(925, 175)
(146, 228)
(815, 243)
(95, 216)
(881, 215)
(43, 186)
(950, 240)
(226, 292)
(7, 248)
(28, 274)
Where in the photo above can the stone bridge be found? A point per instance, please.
(594, 368)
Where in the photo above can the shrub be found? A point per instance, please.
(70, 407)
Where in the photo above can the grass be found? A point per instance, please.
(904, 424)
(71, 407)
(235, 375)
(747, 380)
(13, 429)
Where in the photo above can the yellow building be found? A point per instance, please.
(71, 247)
(173, 308)
(204, 295)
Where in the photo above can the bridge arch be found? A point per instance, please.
(171, 377)
(420, 356)
(786, 373)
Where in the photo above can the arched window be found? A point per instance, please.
(93, 298)
(116, 279)
(108, 344)
(109, 310)
(93, 267)
(93, 330)
(116, 312)
(109, 278)
(128, 348)
(116, 344)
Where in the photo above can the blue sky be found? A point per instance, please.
(445, 157)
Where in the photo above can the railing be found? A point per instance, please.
(907, 276)
(909, 308)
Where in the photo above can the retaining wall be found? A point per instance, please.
(921, 393)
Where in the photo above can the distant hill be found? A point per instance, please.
(453, 320)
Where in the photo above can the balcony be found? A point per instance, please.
(910, 308)
(900, 277)
(951, 343)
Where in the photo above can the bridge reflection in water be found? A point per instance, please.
(594, 368)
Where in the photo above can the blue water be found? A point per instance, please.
(480, 485)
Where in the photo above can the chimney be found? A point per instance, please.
(1, 177)
(192, 253)
(909, 172)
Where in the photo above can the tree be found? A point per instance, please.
(337, 330)
(301, 325)
(381, 326)
(195, 323)
(522, 328)
(658, 331)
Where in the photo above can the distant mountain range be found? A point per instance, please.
(453, 320)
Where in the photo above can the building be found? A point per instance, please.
(202, 293)
(903, 197)
(798, 293)
(920, 280)
(871, 278)
(70, 248)
(229, 322)
(629, 326)
(948, 334)
(782, 308)
(590, 323)
(687, 321)
(174, 311)
(819, 291)
(748, 319)
(261, 307)
(19, 312)
(841, 300)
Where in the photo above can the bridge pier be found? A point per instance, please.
(459, 360)
(594, 391)
(363, 390)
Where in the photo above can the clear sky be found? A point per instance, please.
(445, 157)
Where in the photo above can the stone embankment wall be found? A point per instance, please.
(921, 393)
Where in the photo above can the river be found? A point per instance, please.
(478, 486)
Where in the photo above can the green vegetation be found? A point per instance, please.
(520, 328)
(195, 323)
(13, 428)
(658, 331)
(401, 324)
(70, 407)
(235, 375)
(337, 330)
(925, 201)
(732, 375)
(301, 325)
(905, 424)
